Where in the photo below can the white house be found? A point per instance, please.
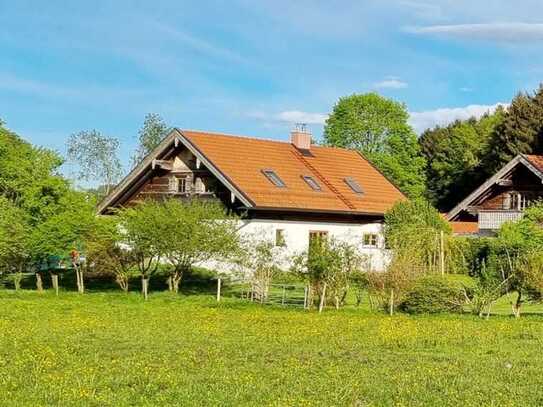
(288, 192)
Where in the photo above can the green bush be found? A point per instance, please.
(433, 294)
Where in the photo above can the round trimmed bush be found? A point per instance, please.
(432, 295)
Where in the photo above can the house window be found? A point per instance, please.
(354, 185)
(177, 185)
(173, 184)
(312, 183)
(515, 201)
(274, 178)
(182, 185)
(370, 239)
(280, 238)
(317, 236)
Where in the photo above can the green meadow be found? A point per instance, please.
(112, 349)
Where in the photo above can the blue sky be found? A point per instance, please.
(255, 67)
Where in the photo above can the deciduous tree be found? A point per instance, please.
(454, 156)
(378, 128)
(96, 157)
(150, 135)
(195, 231)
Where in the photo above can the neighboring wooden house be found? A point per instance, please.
(502, 198)
(286, 192)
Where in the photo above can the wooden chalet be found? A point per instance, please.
(502, 198)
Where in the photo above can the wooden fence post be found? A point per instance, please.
(323, 297)
(391, 310)
(305, 297)
(442, 253)
(54, 278)
(218, 289)
(283, 297)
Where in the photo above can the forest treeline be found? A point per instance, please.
(461, 156)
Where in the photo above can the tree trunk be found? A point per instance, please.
(79, 277)
(170, 283)
(17, 280)
(54, 280)
(516, 305)
(176, 279)
(145, 287)
(39, 282)
(122, 281)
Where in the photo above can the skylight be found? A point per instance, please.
(312, 183)
(274, 178)
(354, 185)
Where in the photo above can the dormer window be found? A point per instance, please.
(274, 178)
(354, 185)
(312, 183)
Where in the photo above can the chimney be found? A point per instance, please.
(300, 137)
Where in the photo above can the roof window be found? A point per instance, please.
(354, 185)
(312, 183)
(274, 178)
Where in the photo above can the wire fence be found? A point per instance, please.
(293, 295)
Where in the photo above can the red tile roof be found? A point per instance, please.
(242, 159)
(535, 160)
(464, 228)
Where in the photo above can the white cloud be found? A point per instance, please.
(391, 83)
(428, 119)
(498, 32)
(420, 121)
(291, 116)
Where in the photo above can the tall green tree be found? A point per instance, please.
(454, 156)
(15, 251)
(378, 128)
(150, 135)
(96, 157)
(520, 132)
(28, 176)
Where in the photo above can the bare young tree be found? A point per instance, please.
(96, 157)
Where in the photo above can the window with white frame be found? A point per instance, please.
(370, 239)
(280, 238)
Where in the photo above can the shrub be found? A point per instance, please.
(433, 294)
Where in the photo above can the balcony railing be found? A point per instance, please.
(493, 219)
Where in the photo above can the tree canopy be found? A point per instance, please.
(150, 135)
(520, 131)
(41, 214)
(454, 156)
(96, 157)
(378, 128)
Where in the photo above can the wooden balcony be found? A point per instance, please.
(493, 219)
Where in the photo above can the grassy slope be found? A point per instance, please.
(111, 349)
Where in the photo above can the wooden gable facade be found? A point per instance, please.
(504, 196)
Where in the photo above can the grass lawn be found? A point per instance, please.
(113, 349)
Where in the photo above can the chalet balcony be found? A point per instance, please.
(494, 218)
